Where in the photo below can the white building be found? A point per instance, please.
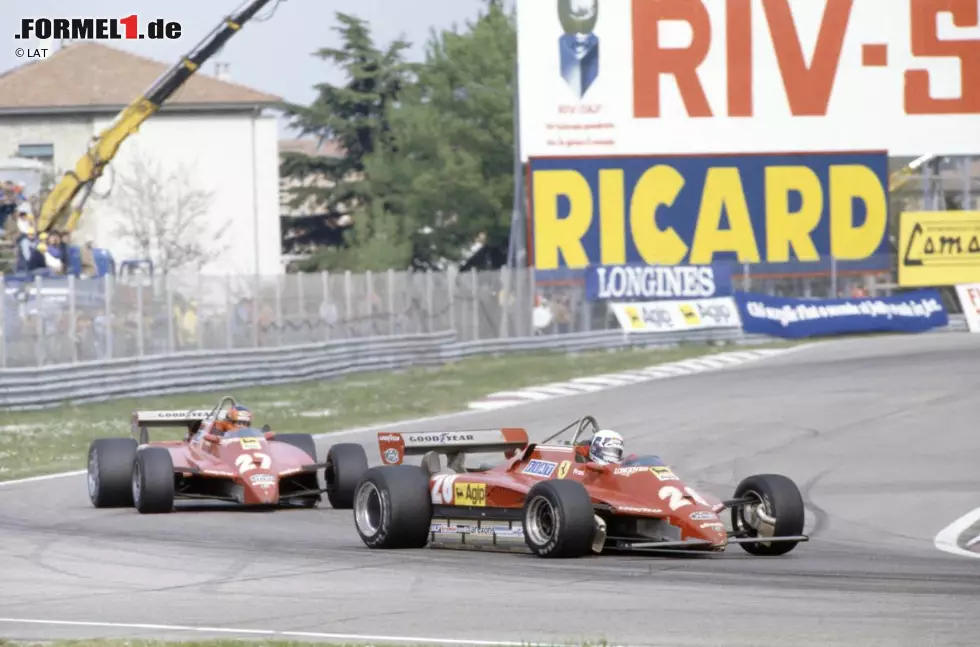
(211, 131)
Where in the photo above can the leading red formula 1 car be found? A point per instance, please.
(550, 499)
(251, 467)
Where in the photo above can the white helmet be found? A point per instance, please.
(607, 447)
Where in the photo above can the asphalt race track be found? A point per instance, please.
(881, 435)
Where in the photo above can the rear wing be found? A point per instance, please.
(395, 447)
(181, 418)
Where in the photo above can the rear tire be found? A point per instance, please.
(153, 481)
(559, 521)
(110, 469)
(346, 465)
(778, 497)
(393, 507)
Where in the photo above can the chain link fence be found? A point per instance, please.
(54, 321)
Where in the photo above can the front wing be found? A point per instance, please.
(193, 483)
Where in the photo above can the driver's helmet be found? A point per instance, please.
(607, 447)
(239, 416)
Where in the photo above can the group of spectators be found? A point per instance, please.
(35, 251)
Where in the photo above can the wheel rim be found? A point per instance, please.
(755, 516)
(137, 485)
(368, 509)
(541, 521)
(93, 474)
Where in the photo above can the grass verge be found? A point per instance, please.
(45, 442)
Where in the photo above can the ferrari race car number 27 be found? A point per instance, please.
(248, 462)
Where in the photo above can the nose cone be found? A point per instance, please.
(712, 530)
(262, 489)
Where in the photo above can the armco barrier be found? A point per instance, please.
(221, 370)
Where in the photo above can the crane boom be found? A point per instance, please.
(104, 147)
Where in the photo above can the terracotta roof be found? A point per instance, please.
(93, 75)
(311, 147)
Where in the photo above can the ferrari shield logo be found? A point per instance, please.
(563, 469)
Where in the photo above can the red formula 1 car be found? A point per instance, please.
(251, 467)
(550, 499)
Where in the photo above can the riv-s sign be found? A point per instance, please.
(741, 76)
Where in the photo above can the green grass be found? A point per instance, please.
(44, 442)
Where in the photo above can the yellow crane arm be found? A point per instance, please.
(104, 147)
(902, 176)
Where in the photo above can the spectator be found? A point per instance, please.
(87, 253)
(8, 202)
(55, 253)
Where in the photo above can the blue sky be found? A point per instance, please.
(274, 56)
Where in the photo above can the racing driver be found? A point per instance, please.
(607, 447)
(236, 418)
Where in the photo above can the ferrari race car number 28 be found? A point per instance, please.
(446, 491)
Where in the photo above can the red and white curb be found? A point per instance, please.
(503, 399)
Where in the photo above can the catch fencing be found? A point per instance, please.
(71, 340)
(67, 321)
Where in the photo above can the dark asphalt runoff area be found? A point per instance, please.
(880, 434)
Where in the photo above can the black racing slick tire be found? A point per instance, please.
(779, 498)
(393, 507)
(346, 465)
(559, 521)
(110, 469)
(307, 443)
(153, 481)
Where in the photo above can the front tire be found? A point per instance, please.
(110, 467)
(559, 521)
(393, 507)
(153, 481)
(346, 465)
(777, 497)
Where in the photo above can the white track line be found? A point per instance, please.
(46, 477)
(948, 538)
(273, 632)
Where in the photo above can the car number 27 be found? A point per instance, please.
(248, 462)
(677, 499)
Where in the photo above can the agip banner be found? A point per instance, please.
(677, 316)
(654, 210)
(627, 77)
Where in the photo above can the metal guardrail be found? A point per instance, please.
(189, 372)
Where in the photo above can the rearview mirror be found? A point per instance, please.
(211, 438)
(269, 435)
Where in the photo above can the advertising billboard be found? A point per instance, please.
(602, 77)
(694, 210)
(938, 248)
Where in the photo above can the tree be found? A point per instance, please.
(450, 173)
(164, 216)
(355, 116)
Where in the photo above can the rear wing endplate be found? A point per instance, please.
(395, 447)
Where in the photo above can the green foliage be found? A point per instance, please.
(353, 115)
(429, 164)
(452, 171)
